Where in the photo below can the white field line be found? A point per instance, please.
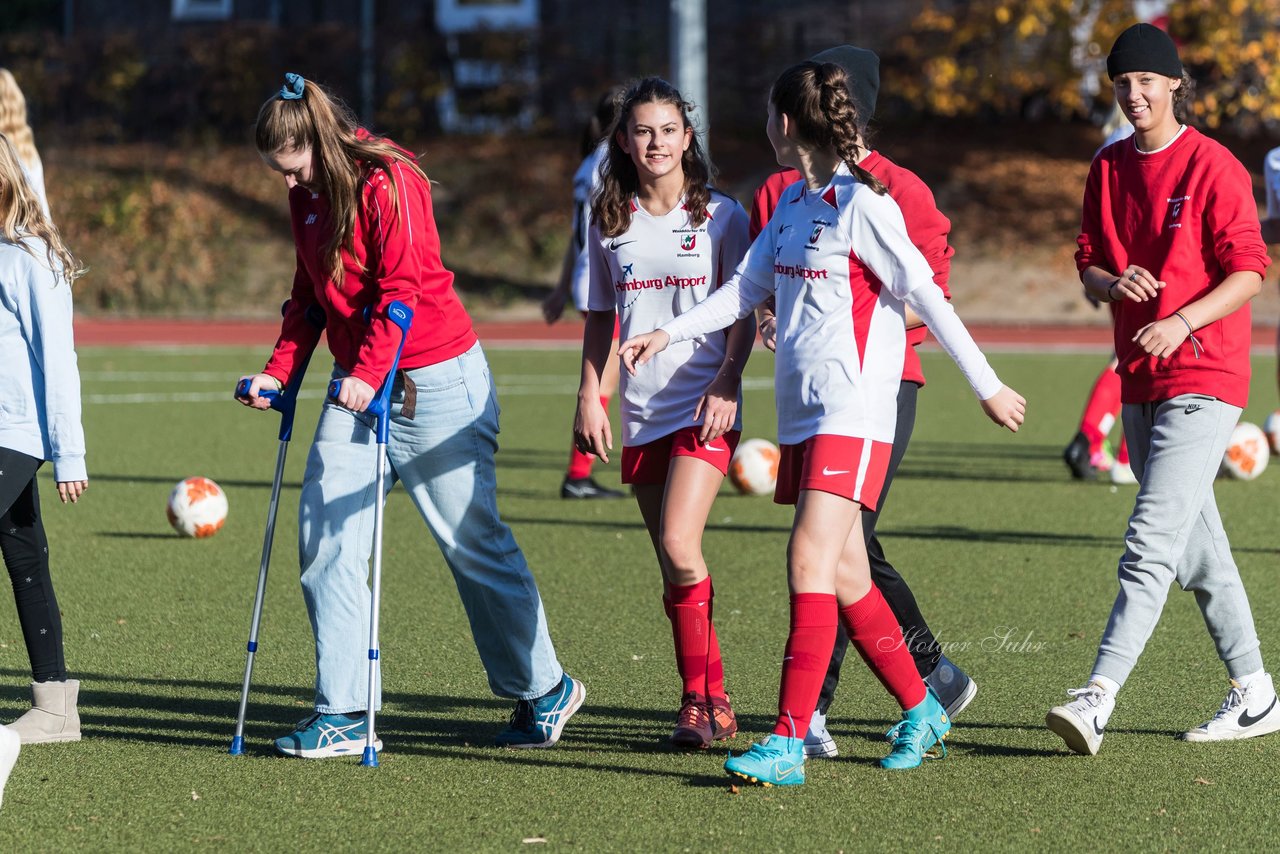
(509, 385)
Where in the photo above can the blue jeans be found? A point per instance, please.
(444, 458)
(1176, 534)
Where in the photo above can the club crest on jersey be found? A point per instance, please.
(816, 233)
(1175, 210)
(688, 241)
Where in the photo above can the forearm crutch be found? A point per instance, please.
(402, 316)
(283, 402)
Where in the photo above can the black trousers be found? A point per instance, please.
(920, 641)
(26, 557)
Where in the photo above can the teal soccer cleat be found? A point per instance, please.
(921, 727)
(775, 761)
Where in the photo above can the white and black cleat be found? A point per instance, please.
(1248, 711)
(1081, 722)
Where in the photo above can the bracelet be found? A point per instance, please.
(1190, 329)
(1110, 297)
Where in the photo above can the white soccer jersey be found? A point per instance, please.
(659, 268)
(585, 182)
(840, 265)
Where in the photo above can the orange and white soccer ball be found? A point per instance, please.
(754, 467)
(1247, 454)
(1272, 428)
(197, 507)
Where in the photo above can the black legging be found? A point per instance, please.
(26, 556)
(920, 641)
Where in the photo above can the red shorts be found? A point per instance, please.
(648, 464)
(842, 465)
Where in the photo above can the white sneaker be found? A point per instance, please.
(1080, 722)
(10, 744)
(1245, 713)
(818, 743)
(1122, 474)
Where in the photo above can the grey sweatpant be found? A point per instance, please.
(1175, 534)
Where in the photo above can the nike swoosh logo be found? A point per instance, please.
(1097, 729)
(1247, 720)
(615, 245)
(781, 773)
(829, 472)
(1192, 407)
(713, 448)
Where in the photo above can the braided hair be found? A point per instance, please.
(816, 97)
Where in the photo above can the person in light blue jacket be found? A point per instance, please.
(39, 421)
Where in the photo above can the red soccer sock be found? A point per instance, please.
(715, 665)
(579, 463)
(690, 613)
(875, 633)
(804, 666)
(1122, 455)
(1101, 409)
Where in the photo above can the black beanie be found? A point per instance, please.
(1143, 47)
(863, 68)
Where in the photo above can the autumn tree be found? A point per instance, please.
(1009, 57)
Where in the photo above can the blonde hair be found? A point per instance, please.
(320, 121)
(13, 120)
(22, 216)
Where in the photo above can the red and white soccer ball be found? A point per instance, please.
(1247, 454)
(754, 467)
(1272, 428)
(197, 507)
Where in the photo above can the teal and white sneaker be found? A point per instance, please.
(538, 723)
(922, 726)
(322, 736)
(775, 761)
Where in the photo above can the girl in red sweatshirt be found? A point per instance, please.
(365, 237)
(1170, 235)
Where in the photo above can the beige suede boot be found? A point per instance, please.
(53, 715)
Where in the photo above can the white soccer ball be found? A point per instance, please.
(197, 507)
(754, 467)
(1272, 428)
(1247, 454)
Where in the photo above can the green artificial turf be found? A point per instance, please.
(1012, 562)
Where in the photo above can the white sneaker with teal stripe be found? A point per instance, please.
(538, 723)
(323, 736)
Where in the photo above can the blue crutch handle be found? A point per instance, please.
(402, 316)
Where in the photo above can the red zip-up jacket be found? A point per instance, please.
(1187, 214)
(399, 249)
(926, 227)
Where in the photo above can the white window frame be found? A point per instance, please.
(202, 10)
(453, 16)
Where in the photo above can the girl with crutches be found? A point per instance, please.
(837, 259)
(366, 238)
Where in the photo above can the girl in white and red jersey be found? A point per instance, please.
(366, 236)
(927, 229)
(661, 241)
(837, 259)
(1170, 235)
